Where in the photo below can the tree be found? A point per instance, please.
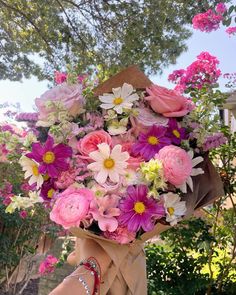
(107, 33)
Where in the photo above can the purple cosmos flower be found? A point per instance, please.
(151, 142)
(138, 210)
(52, 159)
(48, 189)
(174, 132)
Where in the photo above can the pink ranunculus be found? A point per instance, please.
(90, 141)
(133, 162)
(177, 164)
(167, 102)
(121, 235)
(105, 211)
(72, 207)
(69, 95)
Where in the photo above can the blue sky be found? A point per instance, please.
(217, 43)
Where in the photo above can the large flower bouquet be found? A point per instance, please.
(115, 163)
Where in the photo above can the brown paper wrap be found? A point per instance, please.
(127, 272)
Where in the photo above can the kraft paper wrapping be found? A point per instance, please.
(127, 272)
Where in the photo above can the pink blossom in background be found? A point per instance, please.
(167, 102)
(133, 162)
(66, 178)
(221, 8)
(231, 31)
(207, 21)
(120, 235)
(48, 265)
(72, 207)
(60, 77)
(203, 71)
(23, 214)
(30, 117)
(105, 211)
(3, 153)
(177, 164)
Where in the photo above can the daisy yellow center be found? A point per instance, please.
(50, 193)
(118, 100)
(109, 163)
(35, 170)
(176, 133)
(153, 140)
(46, 177)
(139, 207)
(171, 210)
(49, 157)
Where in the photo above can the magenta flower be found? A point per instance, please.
(207, 21)
(174, 132)
(48, 189)
(48, 265)
(52, 159)
(138, 210)
(151, 142)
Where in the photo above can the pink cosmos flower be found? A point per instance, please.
(90, 142)
(207, 21)
(48, 265)
(120, 235)
(138, 210)
(151, 142)
(69, 95)
(72, 207)
(104, 210)
(177, 164)
(167, 102)
(52, 158)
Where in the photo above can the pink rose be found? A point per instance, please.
(72, 207)
(177, 164)
(104, 210)
(69, 95)
(167, 102)
(90, 141)
(66, 178)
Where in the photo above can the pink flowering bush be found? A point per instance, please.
(202, 72)
(48, 265)
(207, 21)
(231, 31)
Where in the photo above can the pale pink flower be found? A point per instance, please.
(69, 95)
(66, 178)
(48, 265)
(133, 162)
(105, 211)
(72, 207)
(167, 102)
(177, 164)
(121, 235)
(89, 143)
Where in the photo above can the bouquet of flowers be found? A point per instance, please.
(121, 162)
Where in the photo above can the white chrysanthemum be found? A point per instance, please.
(195, 171)
(174, 207)
(31, 171)
(121, 98)
(108, 163)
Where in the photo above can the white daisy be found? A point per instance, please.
(174, 208)
(195, 171)
(121, 98)
(108, 163)
(31, 171)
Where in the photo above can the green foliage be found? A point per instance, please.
(106, 34)
(179, 263)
